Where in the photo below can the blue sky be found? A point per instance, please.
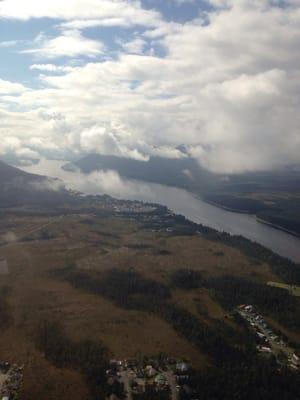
(139, 78)
(16, 66)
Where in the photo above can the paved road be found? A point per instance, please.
(127, 387)
(125, 379)
(172, 382)
(3, 378)
(277, 347)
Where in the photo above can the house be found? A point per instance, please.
(150, 371)
(182, 368)
(160, 380)
(264, 349)
(130, 363)
(261, 335)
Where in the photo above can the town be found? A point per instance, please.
(11, 378)
(156, 378)
(269, 343)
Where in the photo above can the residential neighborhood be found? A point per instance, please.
(164, 378)
(269, 343)
(11, 378)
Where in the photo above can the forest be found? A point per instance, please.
(237, 371)
(88, 357)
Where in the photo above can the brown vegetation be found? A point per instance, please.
(97, 246)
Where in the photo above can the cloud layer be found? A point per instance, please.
(226, 84)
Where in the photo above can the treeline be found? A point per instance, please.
(238, 372)
(239, 204)
(283, 219)
(283, 267)
(127, 289)
(130, 290)
(187, 279)
(258, 379)
(231, 291)
(88, 357)
(207, 338)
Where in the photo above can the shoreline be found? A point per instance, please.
(233, 210)
(258, 219)
(279, 227)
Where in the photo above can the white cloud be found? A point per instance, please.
(9, 144)
(99, 182)
(228, 89)
(7, 87)
(106, 10)
(135, 46)
(50, 68)
(183, 1)
(8, 43)
(70, 43)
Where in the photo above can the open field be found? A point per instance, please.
(95, 244)
(292, 289)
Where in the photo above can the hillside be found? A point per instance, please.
(10, 174)
(19, 188)
(181, 172)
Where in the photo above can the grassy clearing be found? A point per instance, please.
(96, 246)
(292, 289)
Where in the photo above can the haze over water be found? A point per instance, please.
(179, 201)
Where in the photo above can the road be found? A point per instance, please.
(277, 347)
(126, 381)
(172, 383)
(37, 229)
(19, 238)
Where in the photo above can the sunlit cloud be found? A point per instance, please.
(227, 85)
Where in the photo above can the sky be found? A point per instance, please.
(142, 78)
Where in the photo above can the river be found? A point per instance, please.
(179, 201)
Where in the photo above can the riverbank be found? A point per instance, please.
(258, 219)
(233, 210)
(275, 226)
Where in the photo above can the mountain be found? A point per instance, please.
(182, 172)
(18, 188)
(10, 174)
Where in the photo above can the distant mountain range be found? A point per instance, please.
(187, 173)
(273, 196)
(181, 172)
